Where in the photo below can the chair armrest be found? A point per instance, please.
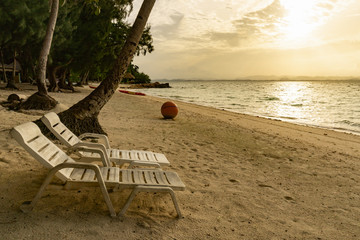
(93, 148)
(96, 135)
(77, 165)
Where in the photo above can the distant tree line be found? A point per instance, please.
(87, 39)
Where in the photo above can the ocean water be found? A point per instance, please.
(328, 104)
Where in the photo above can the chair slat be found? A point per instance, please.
(134, 155)
(66, 172)
(174, 180)
(161, 158)
(67, 134)
(105, 173)
(149, 177)
(48, 152)
(59, 158)
(74, 140)
(89, 175)
(38, 143)
(150, 157)
(139, 177)
(139, 156)
(113, 175)
(114, 153)
(126, 177)
(161, 179)
(125, 154)
(60, 128)
(77, 174)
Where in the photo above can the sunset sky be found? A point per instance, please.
(230, 39)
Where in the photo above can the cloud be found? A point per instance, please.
(235, 38)
(233, 23)
(261, 24)
(326, 5)
(252, 28)
(170, 28)
(337, 58)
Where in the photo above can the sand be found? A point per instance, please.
(246, 178)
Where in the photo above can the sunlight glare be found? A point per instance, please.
(294, 97)
(299, 21)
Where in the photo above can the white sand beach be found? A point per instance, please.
(246, 178)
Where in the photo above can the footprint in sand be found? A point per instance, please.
(289, 198)
(3, 160)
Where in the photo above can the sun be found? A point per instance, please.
(300, 18)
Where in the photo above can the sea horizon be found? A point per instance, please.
(268, 78)
(330, 104)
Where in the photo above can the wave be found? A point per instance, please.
(271, 98)
(307, 102)
(350, 123)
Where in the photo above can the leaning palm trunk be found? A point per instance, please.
(41, 99)
(83, 116)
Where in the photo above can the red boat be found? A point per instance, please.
(133, 93)
(127, 92)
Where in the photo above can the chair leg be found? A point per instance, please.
(175, 203)
(151, 189)
(129, 200)
(28, 206)
(105, 194)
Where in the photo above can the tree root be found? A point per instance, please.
(11, 86)
(80, 126)
(38, 101)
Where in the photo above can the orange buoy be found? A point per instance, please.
(169, 110)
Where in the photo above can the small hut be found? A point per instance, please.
(128, 78)
(9, 68)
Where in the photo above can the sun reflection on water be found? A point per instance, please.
(330, 104)
(294, 98)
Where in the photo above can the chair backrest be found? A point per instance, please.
(29, 136)
(61, 132)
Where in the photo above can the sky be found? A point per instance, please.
(233, 39)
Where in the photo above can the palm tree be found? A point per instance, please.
(83, 116)
(41, 99)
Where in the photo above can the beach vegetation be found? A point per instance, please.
(137, 76)
(86, 42)
(41, 99)
(22, 24)
(83, 116)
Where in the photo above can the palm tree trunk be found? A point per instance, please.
(14, 67)
(41, 99)
(3, 65)
(11, 83)
(52, 70)
(82, 117)
(84, 79)
(45, 50)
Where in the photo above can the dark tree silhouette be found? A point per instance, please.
(83, 116)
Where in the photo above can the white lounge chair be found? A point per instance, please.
(119, 157)
(75, 174)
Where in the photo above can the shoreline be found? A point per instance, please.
(246, 177)
(312, 106)
(341, 130)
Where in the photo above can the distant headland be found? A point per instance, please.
(272, 78)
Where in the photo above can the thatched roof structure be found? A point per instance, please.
(9, 67)
(129, 76)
